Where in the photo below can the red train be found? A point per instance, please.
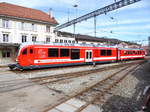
(52, 55)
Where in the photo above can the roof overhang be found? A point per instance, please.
(28, 19)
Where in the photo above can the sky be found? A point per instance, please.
(130, 23)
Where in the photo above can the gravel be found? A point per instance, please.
(75, 85)
(127, 96)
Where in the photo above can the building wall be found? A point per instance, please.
(15, 30)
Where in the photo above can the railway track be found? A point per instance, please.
(11, 85)
(95, 92)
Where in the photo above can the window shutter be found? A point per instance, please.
(19, 25)
(9, 24)
(0, 23)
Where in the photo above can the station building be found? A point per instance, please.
(20, 24)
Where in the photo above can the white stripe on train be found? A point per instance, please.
(56, 60)
(81, 59)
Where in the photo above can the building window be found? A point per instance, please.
(61, 41)
(53, 52)
(5, 23)
(34, 38)
(33, 27)
(24, 38)
(83, 42)
(5, 37)
(48, 39)
(5, 54)
(73, 41)
(69, 41)
(22, 25)
(56, 40)
(47, 28)
(65, 41)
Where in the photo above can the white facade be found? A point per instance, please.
(16, 31)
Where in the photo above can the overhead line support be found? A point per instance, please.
(104, 10)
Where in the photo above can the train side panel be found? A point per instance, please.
(132, 54)
(50, 55)
(105, 54)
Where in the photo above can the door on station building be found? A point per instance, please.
(88, 56)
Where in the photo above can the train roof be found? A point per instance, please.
(75, 44)
(63, 44)
(131, 48)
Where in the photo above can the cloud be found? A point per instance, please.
(40, 3)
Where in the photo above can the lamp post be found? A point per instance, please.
(74, 25)
(75, 6)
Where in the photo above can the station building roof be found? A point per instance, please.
(20, 12)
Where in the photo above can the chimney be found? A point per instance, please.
(50, 13)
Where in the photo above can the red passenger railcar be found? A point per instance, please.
(126, 54)
(52, 55)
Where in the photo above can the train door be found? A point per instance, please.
(23, 57)
(88, 56)
(26, 57)
(30, 55)
(118, 54)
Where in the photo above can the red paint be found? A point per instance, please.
(40, 53)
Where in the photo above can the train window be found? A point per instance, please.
(64, 52)
(103, 52)
(136, 52)
(24, 51)
(53, 52)
(75, 53)
(109, 52)
(124, 52)
(31, 51)
(132, 52)
(143, 53)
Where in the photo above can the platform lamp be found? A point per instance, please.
(74, 25)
